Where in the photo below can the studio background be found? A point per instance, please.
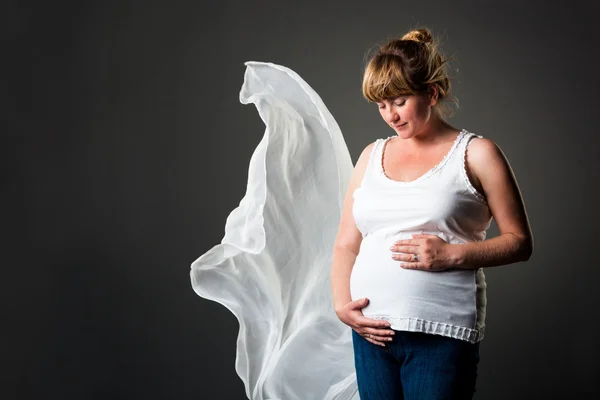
(126, 148)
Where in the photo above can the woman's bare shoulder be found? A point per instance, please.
(363, 161)
(481, 151)
(500, 187)
(487, 162)
(366, 153)
(348, 235)
(360, 168)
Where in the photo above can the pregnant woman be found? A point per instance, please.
(407, 262)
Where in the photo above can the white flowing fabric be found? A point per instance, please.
(271, 269)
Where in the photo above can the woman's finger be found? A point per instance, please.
(382, 339)
(371, 323)
(404, 249)
(380, 334)
(369, 339)
(409, 257)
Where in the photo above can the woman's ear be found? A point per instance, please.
(433, 95)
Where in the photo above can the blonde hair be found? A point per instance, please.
(408, 66)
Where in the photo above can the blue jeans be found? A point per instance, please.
(415, 365)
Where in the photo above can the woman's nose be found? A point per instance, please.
(392, 116)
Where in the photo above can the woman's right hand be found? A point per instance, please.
(374, 330)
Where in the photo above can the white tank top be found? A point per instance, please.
(442, 202)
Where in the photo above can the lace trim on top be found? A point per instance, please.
(472, 335)
(426, 174)
(466, 179)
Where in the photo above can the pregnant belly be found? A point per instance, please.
(395, 291)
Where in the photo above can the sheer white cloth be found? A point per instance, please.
(272, 267)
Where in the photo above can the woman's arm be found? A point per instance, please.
(346, 248)
(490, 171)
(349, 238)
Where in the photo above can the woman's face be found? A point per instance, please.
(407, 115)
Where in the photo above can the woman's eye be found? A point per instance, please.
(400, 104)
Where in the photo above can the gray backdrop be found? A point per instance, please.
(126, 147)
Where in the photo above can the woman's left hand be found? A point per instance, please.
(432, 253)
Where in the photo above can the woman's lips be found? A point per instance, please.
(398, 126)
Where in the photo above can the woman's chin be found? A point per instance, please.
(404, 134)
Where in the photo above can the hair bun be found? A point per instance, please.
(422, 35)
(409, 65)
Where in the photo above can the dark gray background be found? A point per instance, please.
(126, 148)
